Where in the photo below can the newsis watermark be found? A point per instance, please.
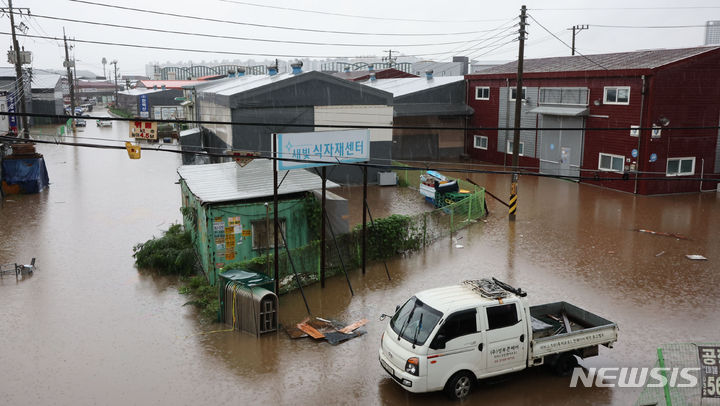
(633, 377)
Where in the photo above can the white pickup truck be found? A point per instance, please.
(448, 338)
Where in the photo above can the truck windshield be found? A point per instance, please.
(414, 321)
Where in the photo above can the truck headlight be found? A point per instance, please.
(412, 366)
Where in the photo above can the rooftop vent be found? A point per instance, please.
(240, 71)
(429, 74)
(372, 76)
(231, 73)
(296, 67)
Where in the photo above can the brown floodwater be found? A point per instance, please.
(88, 328)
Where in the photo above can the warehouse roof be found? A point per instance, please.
(647, 59)
(403, 86)
(229, 182)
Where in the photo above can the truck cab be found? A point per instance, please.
(448, 338)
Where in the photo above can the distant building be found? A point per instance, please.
(618, 117)
(47, 97)
(363, 75)
(712, 32)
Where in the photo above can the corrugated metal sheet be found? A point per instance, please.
(227, 182)
(506, 118)
(231, 86)
(560, 111)
(649, 59)
(44, 81)
(402, 86)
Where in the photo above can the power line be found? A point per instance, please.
(356, 16)
(361, 126)
(644, 9)
(197, 34)
(278, 27)
(625, 176)
(648, 26)
(565, 43)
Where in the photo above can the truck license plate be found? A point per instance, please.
(387, 368)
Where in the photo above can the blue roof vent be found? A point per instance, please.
(371, 67)
(272, 70)
(163, 87)
(297, 67)
(372, 76)
(240, 71)
(429, 74)
(231, 73)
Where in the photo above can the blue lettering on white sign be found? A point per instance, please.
(634, 153)
(326, 146)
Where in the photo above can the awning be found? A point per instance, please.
(560, 111)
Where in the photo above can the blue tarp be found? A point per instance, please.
(29, 174)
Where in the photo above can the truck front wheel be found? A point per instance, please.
(459, 385)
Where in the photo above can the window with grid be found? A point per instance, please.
(680, 166)
(611, 163)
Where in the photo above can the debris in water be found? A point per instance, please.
(330, 330)
(659, 253)
(673, 235)
(459, 246)
(695, 257)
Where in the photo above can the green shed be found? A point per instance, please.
(228, 210)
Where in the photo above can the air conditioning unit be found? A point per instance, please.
(387, 178)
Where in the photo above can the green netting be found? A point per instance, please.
(389, 236)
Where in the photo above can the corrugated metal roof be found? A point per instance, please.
(43, 81)
(561, 111)
(239, 84)
(402, 86)
(139, 91)
(7, 72)
(228, 182)
(648, 59)
(169, 84)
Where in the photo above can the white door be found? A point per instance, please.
(457, 345)
(506, 338)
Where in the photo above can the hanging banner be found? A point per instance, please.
(143, 129)
(144, 106)
(332, 147)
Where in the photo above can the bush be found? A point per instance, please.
(204, 296)
(391, 235)
(173, 253)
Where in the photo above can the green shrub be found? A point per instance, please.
(173, 253)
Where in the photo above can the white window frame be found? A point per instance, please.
(610, 169)
(521, 149)
(617, 89)
(510, 93)
(477, 142)
(680, 159)
(483, 88)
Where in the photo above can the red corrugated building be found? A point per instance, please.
(580, 115)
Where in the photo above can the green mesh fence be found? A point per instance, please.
(678, 355)
(389, 236)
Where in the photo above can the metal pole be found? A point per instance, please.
(573, 40)
(70, 80)
(516, 130)
(18, 72)
(342, 263)
(275, 215)
(364, 221)
(322, 228)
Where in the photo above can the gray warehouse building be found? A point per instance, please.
(290, 102)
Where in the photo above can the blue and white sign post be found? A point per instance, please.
(144, 106)
(313, 149)
(12, 120)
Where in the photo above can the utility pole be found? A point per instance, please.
(518, 103)
(114, 62)
(389, 58)
(68, 65)
(18, 71)
(576, 30)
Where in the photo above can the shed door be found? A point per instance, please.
(560, 149)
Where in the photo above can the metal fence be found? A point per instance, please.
(682, 355)
(405, 234)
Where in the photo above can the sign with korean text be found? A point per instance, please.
(144, 107)
(143, 129)
(332, 147)
(709, 371)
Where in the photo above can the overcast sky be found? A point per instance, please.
(479, 29)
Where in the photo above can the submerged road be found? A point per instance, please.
(88, 328)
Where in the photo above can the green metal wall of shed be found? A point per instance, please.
(213, 259)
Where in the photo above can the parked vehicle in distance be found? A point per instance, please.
(79, 122)
(104, 123)
(447, 338)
